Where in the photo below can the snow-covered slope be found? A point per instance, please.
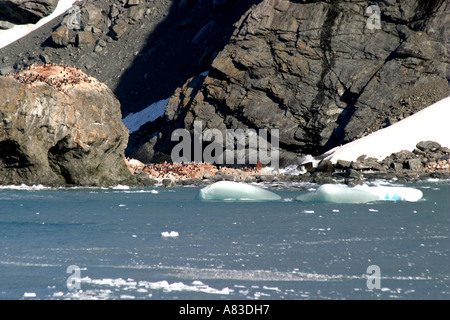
(135, 120)
(431, 123)
(9, 36)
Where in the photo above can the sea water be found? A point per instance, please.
(163, 243)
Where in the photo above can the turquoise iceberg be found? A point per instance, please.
(338, 193)
(235, 191)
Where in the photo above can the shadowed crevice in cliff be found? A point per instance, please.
(180, 47)
(58, 158)
(338, 135)
(337, 138)
(11, 155)
(328, 63)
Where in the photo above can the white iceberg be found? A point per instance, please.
(338, 193)
(235, 191)
(393, 193)
(429, 124)
(171, 234)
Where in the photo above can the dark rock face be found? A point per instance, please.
(60, 127)
(313, 69)
(142, 50)
(25, 11)
(316, 71)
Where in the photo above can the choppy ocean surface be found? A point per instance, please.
(162, 243)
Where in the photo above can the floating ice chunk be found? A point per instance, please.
(171, 234)
(58, 294)
(337, 193)
(235, 191)
(271, 288)
(29, 294)
(394, 193)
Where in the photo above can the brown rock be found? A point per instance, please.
(83, 38)
(61, 37)
(118, 30)
(60, 127)
(133, 2)
(26, 11)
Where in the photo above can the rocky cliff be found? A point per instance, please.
(24, 11)
(322, 72)
(141, 49)
(60, 127)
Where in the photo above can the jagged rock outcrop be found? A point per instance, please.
(60, 127)
(319, 72)
(25, 11)
(143, 50)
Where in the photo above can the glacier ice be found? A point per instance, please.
(338, 193)
(235, 191)
(394, 193)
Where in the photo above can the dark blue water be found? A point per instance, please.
(113, 239)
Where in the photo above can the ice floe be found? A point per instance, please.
(106, 288)
(29, 295)
(171, 234)
(235, 191)
(336, 193)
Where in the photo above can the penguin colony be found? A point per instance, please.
(57, 76)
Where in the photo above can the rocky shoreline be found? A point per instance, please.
(428, 161)
(60, 127)
(243, 65)
(67, 131)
